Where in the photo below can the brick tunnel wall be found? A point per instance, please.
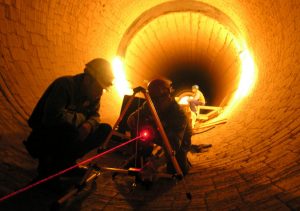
(254, 161)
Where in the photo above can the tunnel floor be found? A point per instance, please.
(213, 182)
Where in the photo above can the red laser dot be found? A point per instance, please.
(145, 134)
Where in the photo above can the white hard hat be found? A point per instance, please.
(101, 70)
(195, 87)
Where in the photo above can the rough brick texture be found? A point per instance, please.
(254, 162)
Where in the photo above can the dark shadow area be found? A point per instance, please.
(135, 104)
(75, 203)
(213, 188)
(36, 198)
(185, 75)
(141, 196)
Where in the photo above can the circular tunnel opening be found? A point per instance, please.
(188, 46)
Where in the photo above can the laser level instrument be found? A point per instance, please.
(93, 171)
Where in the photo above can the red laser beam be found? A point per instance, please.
(66, 170)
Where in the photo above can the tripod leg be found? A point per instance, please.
(165, 139)
(118, 121)
(74, 191)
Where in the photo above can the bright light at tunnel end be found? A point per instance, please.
(120, 82)
(247, 78)
(248, 75)
(246, 83)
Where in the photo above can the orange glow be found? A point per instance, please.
(184, 100)
(120, 82)
(247, 79)
(248, 76)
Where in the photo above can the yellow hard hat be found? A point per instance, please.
(101, 70)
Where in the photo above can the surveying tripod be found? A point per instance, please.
(93, 171)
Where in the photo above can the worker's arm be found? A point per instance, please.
(55, 110)
(92, 114)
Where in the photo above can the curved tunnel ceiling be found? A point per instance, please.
(254, 162)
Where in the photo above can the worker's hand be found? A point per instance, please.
(84, 130)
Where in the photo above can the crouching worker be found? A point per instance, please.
(175, 124)
(65, 122)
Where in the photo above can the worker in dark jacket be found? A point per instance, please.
(174, 122)
(65, 122)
